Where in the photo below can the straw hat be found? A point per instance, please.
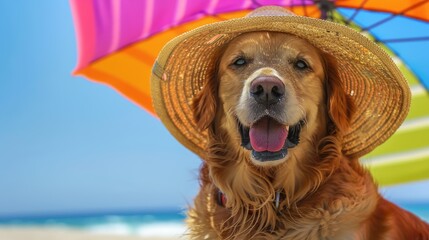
(369, 76)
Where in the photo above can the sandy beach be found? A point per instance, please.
(51, 233)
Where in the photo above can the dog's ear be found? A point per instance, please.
(204, 104)
(340, 105)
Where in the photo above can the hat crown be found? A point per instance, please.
(270, 11)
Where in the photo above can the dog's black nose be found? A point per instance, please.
(267, 90)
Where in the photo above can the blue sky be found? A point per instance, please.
(68, 144)
(71, 145)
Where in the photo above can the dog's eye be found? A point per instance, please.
(301, 65)
(239, 62)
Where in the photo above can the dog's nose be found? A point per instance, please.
(267, 90)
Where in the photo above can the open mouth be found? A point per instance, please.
(268, 139)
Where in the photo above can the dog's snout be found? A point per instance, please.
(267, 90)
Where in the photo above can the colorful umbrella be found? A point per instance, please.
(118, 42)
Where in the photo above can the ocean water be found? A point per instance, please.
(145, 224)
(419, 209)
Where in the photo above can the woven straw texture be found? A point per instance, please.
(375, 84)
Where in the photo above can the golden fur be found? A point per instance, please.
(325, 195)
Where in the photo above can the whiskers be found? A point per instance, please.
(303, 112)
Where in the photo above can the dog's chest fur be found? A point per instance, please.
(318, 216)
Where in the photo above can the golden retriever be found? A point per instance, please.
(275, 113)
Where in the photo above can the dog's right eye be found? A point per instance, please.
(239, 62)
(301, 65)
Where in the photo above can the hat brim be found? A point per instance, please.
(369, 77)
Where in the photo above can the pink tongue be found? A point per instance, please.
(267, 135)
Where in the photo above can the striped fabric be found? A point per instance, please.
(118, 42)
(105, 26)
(405, 156)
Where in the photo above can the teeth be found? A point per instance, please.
(287, 128)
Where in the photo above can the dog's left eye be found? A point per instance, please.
(301, 65)
(239, 62)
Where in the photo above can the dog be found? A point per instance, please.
(276, 114)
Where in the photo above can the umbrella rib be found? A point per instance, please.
(340, 19)
(326, 8)
(304, 6)
(394, 15)
(256, 3)
(356, 12)
(291, 8)
(415, 39)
